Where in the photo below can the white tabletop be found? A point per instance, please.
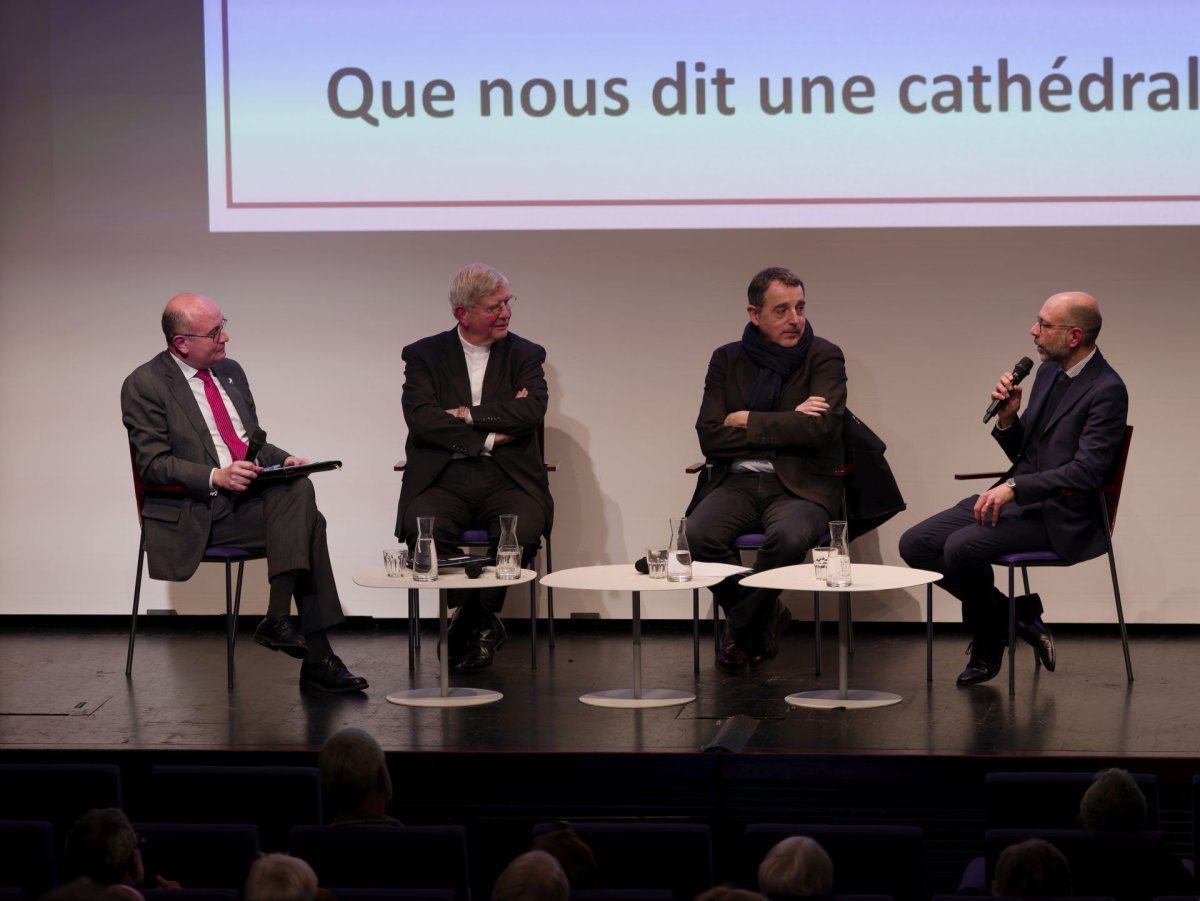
(377, 577)
(864, 577)
(617, 577)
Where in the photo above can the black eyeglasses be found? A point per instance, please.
(211, 336)
(1046, 326)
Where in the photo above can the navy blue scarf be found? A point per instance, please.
(775, 365)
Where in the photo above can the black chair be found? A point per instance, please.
(385, 856)
(27, 858)
(622, 894)
(869, 859)
(478, 540)
(1127, 866)
(215, 554)
(640, 855)
(1050, 800)
(1109, 496)
(58, 792)
(199, 855)
(274, 798)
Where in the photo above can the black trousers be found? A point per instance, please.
(285, 520)
(746, 502)
(953, 544)
(471, 493)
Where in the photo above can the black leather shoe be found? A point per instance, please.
(982, 668)
(462, 636)
(731, 658)
(278, 634)
(490, 638)
(329, 674)
(1038, 637)
(766, 648)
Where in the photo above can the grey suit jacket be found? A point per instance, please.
(1071, 448)
(436, 380)
(804, 449)
(172, 446)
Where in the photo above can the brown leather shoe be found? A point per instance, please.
(731, 658)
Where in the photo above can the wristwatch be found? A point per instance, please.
(1011, 484)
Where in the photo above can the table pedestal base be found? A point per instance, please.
(832, 698)
(625, 697)
(454, 697)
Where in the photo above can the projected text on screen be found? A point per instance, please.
(365, 115)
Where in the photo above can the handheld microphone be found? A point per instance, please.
(1018, 373)
(641, 565)
(474, 569)
(257, 440)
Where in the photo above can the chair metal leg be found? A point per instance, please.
(1112, 569)
(230, 622)
(414, 627)
(1012, 632)
(137, 594)
(929, 632)
(695, 630)
(549, 596)
(817, 632)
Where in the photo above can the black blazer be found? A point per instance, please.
(436, 380)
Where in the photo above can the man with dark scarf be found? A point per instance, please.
(770, 425)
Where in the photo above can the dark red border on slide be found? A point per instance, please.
(232, 204)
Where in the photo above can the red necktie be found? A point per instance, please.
(236, 446)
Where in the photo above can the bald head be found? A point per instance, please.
(1078, 309)
(194, 329)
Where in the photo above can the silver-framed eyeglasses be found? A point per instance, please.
(494, 309)
(1046, 326)
(211, 336)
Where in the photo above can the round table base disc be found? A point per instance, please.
(830, 699)
(651, 697)
(432, 697)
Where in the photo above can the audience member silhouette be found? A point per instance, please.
(1033, 868)
(355, 775)
(279, 877)
(1113, 803)
(1138, 871)
(573, 855)
(797, 867)
(103, 847)
(534, 876)
(78, 889)
(729, 893)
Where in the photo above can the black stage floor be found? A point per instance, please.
(63, 687)
(539, 754)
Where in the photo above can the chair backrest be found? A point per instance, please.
(868, 859)
(27, 858)
(385, 856)
(1111, 487)
(191, 894)
(274, 798)
(1050, 800)
(58, 792)
(140, 488)
(199, 855)
(673, 856)
(390, 894)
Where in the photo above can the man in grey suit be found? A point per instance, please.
(474, 399)
(1066, 441)
(770, 425)
(190, 414)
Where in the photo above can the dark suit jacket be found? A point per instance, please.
(436, 380)
(805, 449)
(1075, 445)
(172, 446)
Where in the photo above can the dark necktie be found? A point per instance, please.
(229, 435)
